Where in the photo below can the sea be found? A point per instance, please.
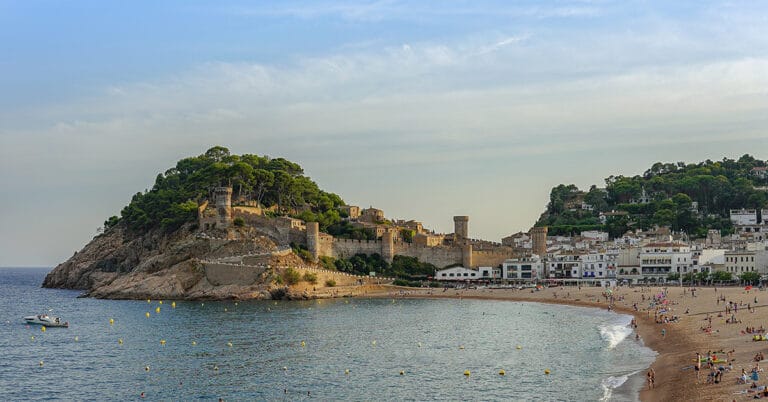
(328, 350)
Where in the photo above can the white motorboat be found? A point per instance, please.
(46, 320)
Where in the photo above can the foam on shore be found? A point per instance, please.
(615, 333)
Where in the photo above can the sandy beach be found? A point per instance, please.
(677, 346)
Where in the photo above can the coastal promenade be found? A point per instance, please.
(676, 342)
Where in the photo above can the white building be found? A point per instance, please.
(595, 235)
(525, 268)
(739, 261)
(489, 273)
(598, 265)
(657, 260)
(564, 266)
(457, 274)
(744, 217)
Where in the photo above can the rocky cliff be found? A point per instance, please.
(159, 265)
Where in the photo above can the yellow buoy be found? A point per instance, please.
(77, 338)
(419, 344)
(32, 337)
(518, 347)
(225, 309)
(41, 363)
(160, 302)
(346, 371)
(373, 343)
(120, 341)
(235, 303)
(402, 372)
(303, 344)
(157, 310)
(466, 373)
(229, 344)
(285, 368)
(502, 372)
(546, 371)
(202, 304)
(146, 368)
(173, 304)
(461, 347)
(111, 321)
(215, 368)
(149, 301)
(162, 342)
(42, 328)
(147, 314)
(194, 343)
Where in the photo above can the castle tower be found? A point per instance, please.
(313, 239)
(461, 227)
(466, 256)
(539, 238)
(223, 197)
(388, 246)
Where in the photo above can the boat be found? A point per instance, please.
(46, 320)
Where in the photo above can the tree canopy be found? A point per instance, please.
(689, 197)
(174, 198)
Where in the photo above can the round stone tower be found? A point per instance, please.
(461, 227)
(539, 238)
(313, 239)
(466, 256)
(388, 246)
(223, 197)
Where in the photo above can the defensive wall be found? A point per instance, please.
(321, 244)
(220, 274)
(277, 229)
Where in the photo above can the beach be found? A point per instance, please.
(675, 377)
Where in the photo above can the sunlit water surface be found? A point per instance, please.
(302, 350)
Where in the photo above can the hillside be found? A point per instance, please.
(156, 249)
(689, 197)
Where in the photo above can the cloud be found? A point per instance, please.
(380, 10)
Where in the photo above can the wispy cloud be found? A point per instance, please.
(368, 11)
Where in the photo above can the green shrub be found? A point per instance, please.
(310, 277)
(239, 222)
(330, 283)
(291, 276)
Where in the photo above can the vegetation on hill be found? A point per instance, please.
(402, 267)
(278, 183)
(689, 197)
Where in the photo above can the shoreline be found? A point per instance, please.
(672, 350)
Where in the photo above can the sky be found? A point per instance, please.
(425, 109)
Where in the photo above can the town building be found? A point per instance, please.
(529, 269)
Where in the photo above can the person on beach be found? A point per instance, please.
(651, 378)
(697, 367)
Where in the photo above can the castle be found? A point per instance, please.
(440, 250)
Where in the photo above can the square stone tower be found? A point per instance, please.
(461, 227)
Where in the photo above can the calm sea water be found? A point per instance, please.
(585, 349)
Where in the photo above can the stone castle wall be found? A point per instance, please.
(232, 274)
(439, 256)
(345, 248)
(484, 258)
(279, 230)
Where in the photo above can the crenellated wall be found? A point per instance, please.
(345, 248)
(322, 244)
